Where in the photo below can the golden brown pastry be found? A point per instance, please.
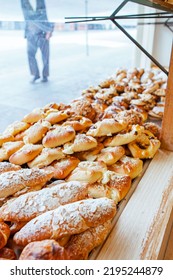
(83, 108)
(27, 153)
(46, 157)
(58, 136)
(110, 155)
(33, 117)
(62, 168)
(153, 128)
(88, 171)
(78, 123)
(81, 143)
(7, 166)
(117, 181)
(8, 254)
(6, 137)
(54, 116)
(14, 181)
(128, 165)
(30, 205)
(145, 146)
(4, 234)
(16, 127)
(106, 127)
(90, 155)
(35, 133)
(10, 148)
(66, 220)
(124, 137)
(98, 190)
(78, 247)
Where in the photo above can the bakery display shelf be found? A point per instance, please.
(142, 227)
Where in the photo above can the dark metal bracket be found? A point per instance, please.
(113, 17)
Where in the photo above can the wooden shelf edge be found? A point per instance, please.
(143, 228)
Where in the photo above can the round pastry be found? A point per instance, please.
(58, 136)
(84, 108)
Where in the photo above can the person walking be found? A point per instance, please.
(38, 31)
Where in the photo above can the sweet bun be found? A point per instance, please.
(4, 234)
(35, 133)
(106, 127)
(128, 165)
(110, 155)
(117, 181)
(78, 123)
(7, 166)
(91, 154)
(145, 146)
(16, 127)
(6, 137)
(46, 157)
(27, 153)
(33, 117)
(81, 143)
(88, 171)
(7, 254)
(55, 116)
(83, 108)
(58, 136)
(10, 148)
(124, 137)
(153, 128)
(62, 168)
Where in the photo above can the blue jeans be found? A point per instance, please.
(35, 42)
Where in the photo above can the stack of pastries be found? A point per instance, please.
(65, 168)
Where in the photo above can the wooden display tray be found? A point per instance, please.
(143, 222)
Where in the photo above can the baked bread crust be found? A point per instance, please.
(62, 168)
(4, 234)
(14, 181)
(88, 171)
(32, 204)
(7, 166)
(46, 157)
(7, 254)
(58, 136)
(66, 220)
(110, 155)
(78, 247)
(35, 133)
(81, 143)
(128, 165)
(106, 127)
(25, 154)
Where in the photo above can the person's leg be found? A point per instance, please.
(41, 5)
(44, 47)
(27, 9)
(31, 51)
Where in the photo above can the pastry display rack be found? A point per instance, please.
(142, 226)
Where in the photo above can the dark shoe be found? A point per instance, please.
(35, 79)
(44, 80)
